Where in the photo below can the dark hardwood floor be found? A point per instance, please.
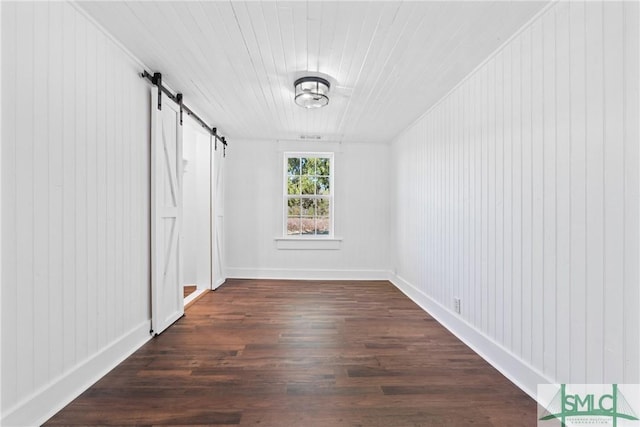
(291, 353)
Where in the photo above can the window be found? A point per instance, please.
(308, 194)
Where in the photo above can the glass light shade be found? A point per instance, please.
(312, 92)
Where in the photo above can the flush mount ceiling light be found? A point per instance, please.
(312, 92)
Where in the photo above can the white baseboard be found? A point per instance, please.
(515, 369)
(50, 399)
(305, 274)
(193, 296)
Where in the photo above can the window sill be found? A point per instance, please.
(308, 243)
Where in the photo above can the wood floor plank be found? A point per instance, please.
(188, 290)
(298, 353)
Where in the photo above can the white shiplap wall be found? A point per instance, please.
(254, 195)
(518, 193)
(75, 209)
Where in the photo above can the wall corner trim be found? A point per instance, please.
(551, 4)
(523, 375)
(46, 402)
(115, 41)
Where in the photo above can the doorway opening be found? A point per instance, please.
(196, 236)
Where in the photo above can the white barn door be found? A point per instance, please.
(167, 304)
(217, 196)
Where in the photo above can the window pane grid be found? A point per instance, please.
(308, 215)
(308, 196)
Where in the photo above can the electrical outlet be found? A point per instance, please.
(456, 305)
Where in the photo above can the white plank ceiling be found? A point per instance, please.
(388, 62)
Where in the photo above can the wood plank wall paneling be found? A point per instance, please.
(75, 208)
(518, 193)
(631, 190)
(388, 61)
(250, 249)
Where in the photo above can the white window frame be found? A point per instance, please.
(285, 195)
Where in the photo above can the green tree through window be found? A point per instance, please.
(309, 194)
